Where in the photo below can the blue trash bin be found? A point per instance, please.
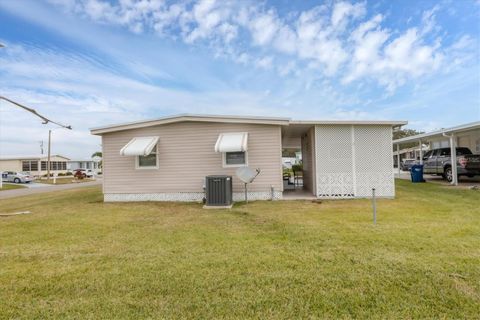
(416, 173)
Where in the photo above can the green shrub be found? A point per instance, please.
(68, 173)
(297, 167)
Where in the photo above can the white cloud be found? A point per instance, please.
(393, 60)
(264, 63)
(286, 40)
(207, 17)
(242, 58)
(343, 10)
(428, 20)
(263, 27)
(335, 39)
(288, 68)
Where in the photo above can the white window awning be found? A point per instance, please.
(232, 142)
(139, 146)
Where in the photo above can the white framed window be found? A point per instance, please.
(235, 159)
(147, 162)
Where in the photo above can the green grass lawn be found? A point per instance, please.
(77, 257)
(11, 186)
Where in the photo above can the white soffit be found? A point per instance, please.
(139, 146)
(232, 142)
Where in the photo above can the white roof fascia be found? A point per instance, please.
(190, 117)
(349, 122)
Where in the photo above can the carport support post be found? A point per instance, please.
(398, 159)
(421, 151)
(453, 157)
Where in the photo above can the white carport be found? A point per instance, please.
(452, 134)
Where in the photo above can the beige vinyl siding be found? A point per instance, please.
(186, 155)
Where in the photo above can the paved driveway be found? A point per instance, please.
(34, 184)
(45, 188)
(463, 182)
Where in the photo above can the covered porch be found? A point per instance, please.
(298, 160)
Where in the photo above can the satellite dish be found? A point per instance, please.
(247, 175)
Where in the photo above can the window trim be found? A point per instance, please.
(224, 160)
(155, 151)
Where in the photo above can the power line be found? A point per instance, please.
(44, 119)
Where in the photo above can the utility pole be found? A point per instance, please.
(48, 160)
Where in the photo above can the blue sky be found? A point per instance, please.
(94, 62)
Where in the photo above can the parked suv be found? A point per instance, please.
(17, 177)
(438, 161)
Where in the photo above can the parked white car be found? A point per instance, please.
(17, 177)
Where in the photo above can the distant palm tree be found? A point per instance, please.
(97, 154)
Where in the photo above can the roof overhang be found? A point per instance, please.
(31, 157)
(439, 133)
(284, 122)
(192, 118)
(349, 122)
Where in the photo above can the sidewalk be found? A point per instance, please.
(28, 191)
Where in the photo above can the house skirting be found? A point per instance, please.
(186, 196)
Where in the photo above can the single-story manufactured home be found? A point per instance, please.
(167, 159)
(88, 164)
(35, 164)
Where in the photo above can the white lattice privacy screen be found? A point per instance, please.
(351, 160)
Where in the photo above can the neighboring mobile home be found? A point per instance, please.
(167, 159)
(35, 164)
(92, 164)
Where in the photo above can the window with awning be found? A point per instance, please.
(145, 151)
(232, 142)
(139, 146)
(233, 146)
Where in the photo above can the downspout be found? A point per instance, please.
(453, 157)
